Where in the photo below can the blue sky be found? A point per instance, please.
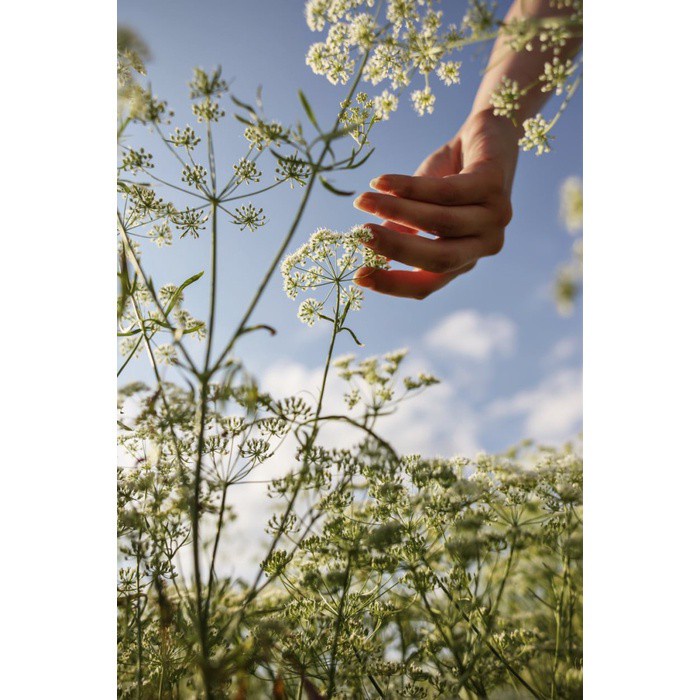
(510, 364)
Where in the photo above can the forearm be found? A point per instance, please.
(524, 66)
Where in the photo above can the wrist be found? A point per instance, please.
(484, 122)
(486, 137)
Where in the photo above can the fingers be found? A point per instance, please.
(398, 227)
(440, 255)
(453, 190)
(416, 284)
(450, 221)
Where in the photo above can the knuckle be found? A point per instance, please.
(442, 261)
(390, 206)
(444, 222)
(405, 188)
(495, 178)
(495, 186)
(495, 243)
(387, 247)
(449, 192)
(504, 212)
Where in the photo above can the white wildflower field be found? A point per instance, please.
(384, 573)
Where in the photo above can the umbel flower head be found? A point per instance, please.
(327, 262)
(506, 100)
(536, 135)
(401, 39)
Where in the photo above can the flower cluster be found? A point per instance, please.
(569, 278)
(265, 133)
(505, 100)
(205, 84)
(536, 135)
(292, 169)
(359, 118)
(556, 74)
(190, 221)
(554, 34)
(250, 217)
(193, 174)
(385, 104)
(412, 42)
(136, 160)
(373, 380)
(328, 262)
(423, 101)
(208, 110)
(571, 204)
(185, 138)
(448, 72)
(246, 171)
(161, 234)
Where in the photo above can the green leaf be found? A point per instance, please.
(352, 166)
(334, 190)
(243, 120)
(259, 327)
(354, 337)
(309, 112)
(178, 292)
(242, 105)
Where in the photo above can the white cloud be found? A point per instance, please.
(473, 335)
(433, 423)
(551, 411)
(287, 377)
(562, 350)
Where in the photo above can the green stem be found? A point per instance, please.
(488, 644)
(290, 234)
(139, 625)
(338, 624)
(202, 610)
(149, 285)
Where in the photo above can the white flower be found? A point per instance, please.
(384, 104)
(555, 75)
(249, 217)
(246, 171)
(423, 101)
(315, 12)
(536, 135)
(361, 31)
(505, 99)
(352, 296)
(329, 259)
(448, 72)
(309, 311)
(161, 234)
(193, 174)
(571, 204)
(166, 354)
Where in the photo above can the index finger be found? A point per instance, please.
(451, 190)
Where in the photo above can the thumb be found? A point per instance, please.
(445, 161)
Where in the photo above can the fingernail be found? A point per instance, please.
(376, 183)
(356, 203)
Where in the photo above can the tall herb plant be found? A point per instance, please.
(385, 575)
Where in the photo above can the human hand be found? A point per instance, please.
(460, 193)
